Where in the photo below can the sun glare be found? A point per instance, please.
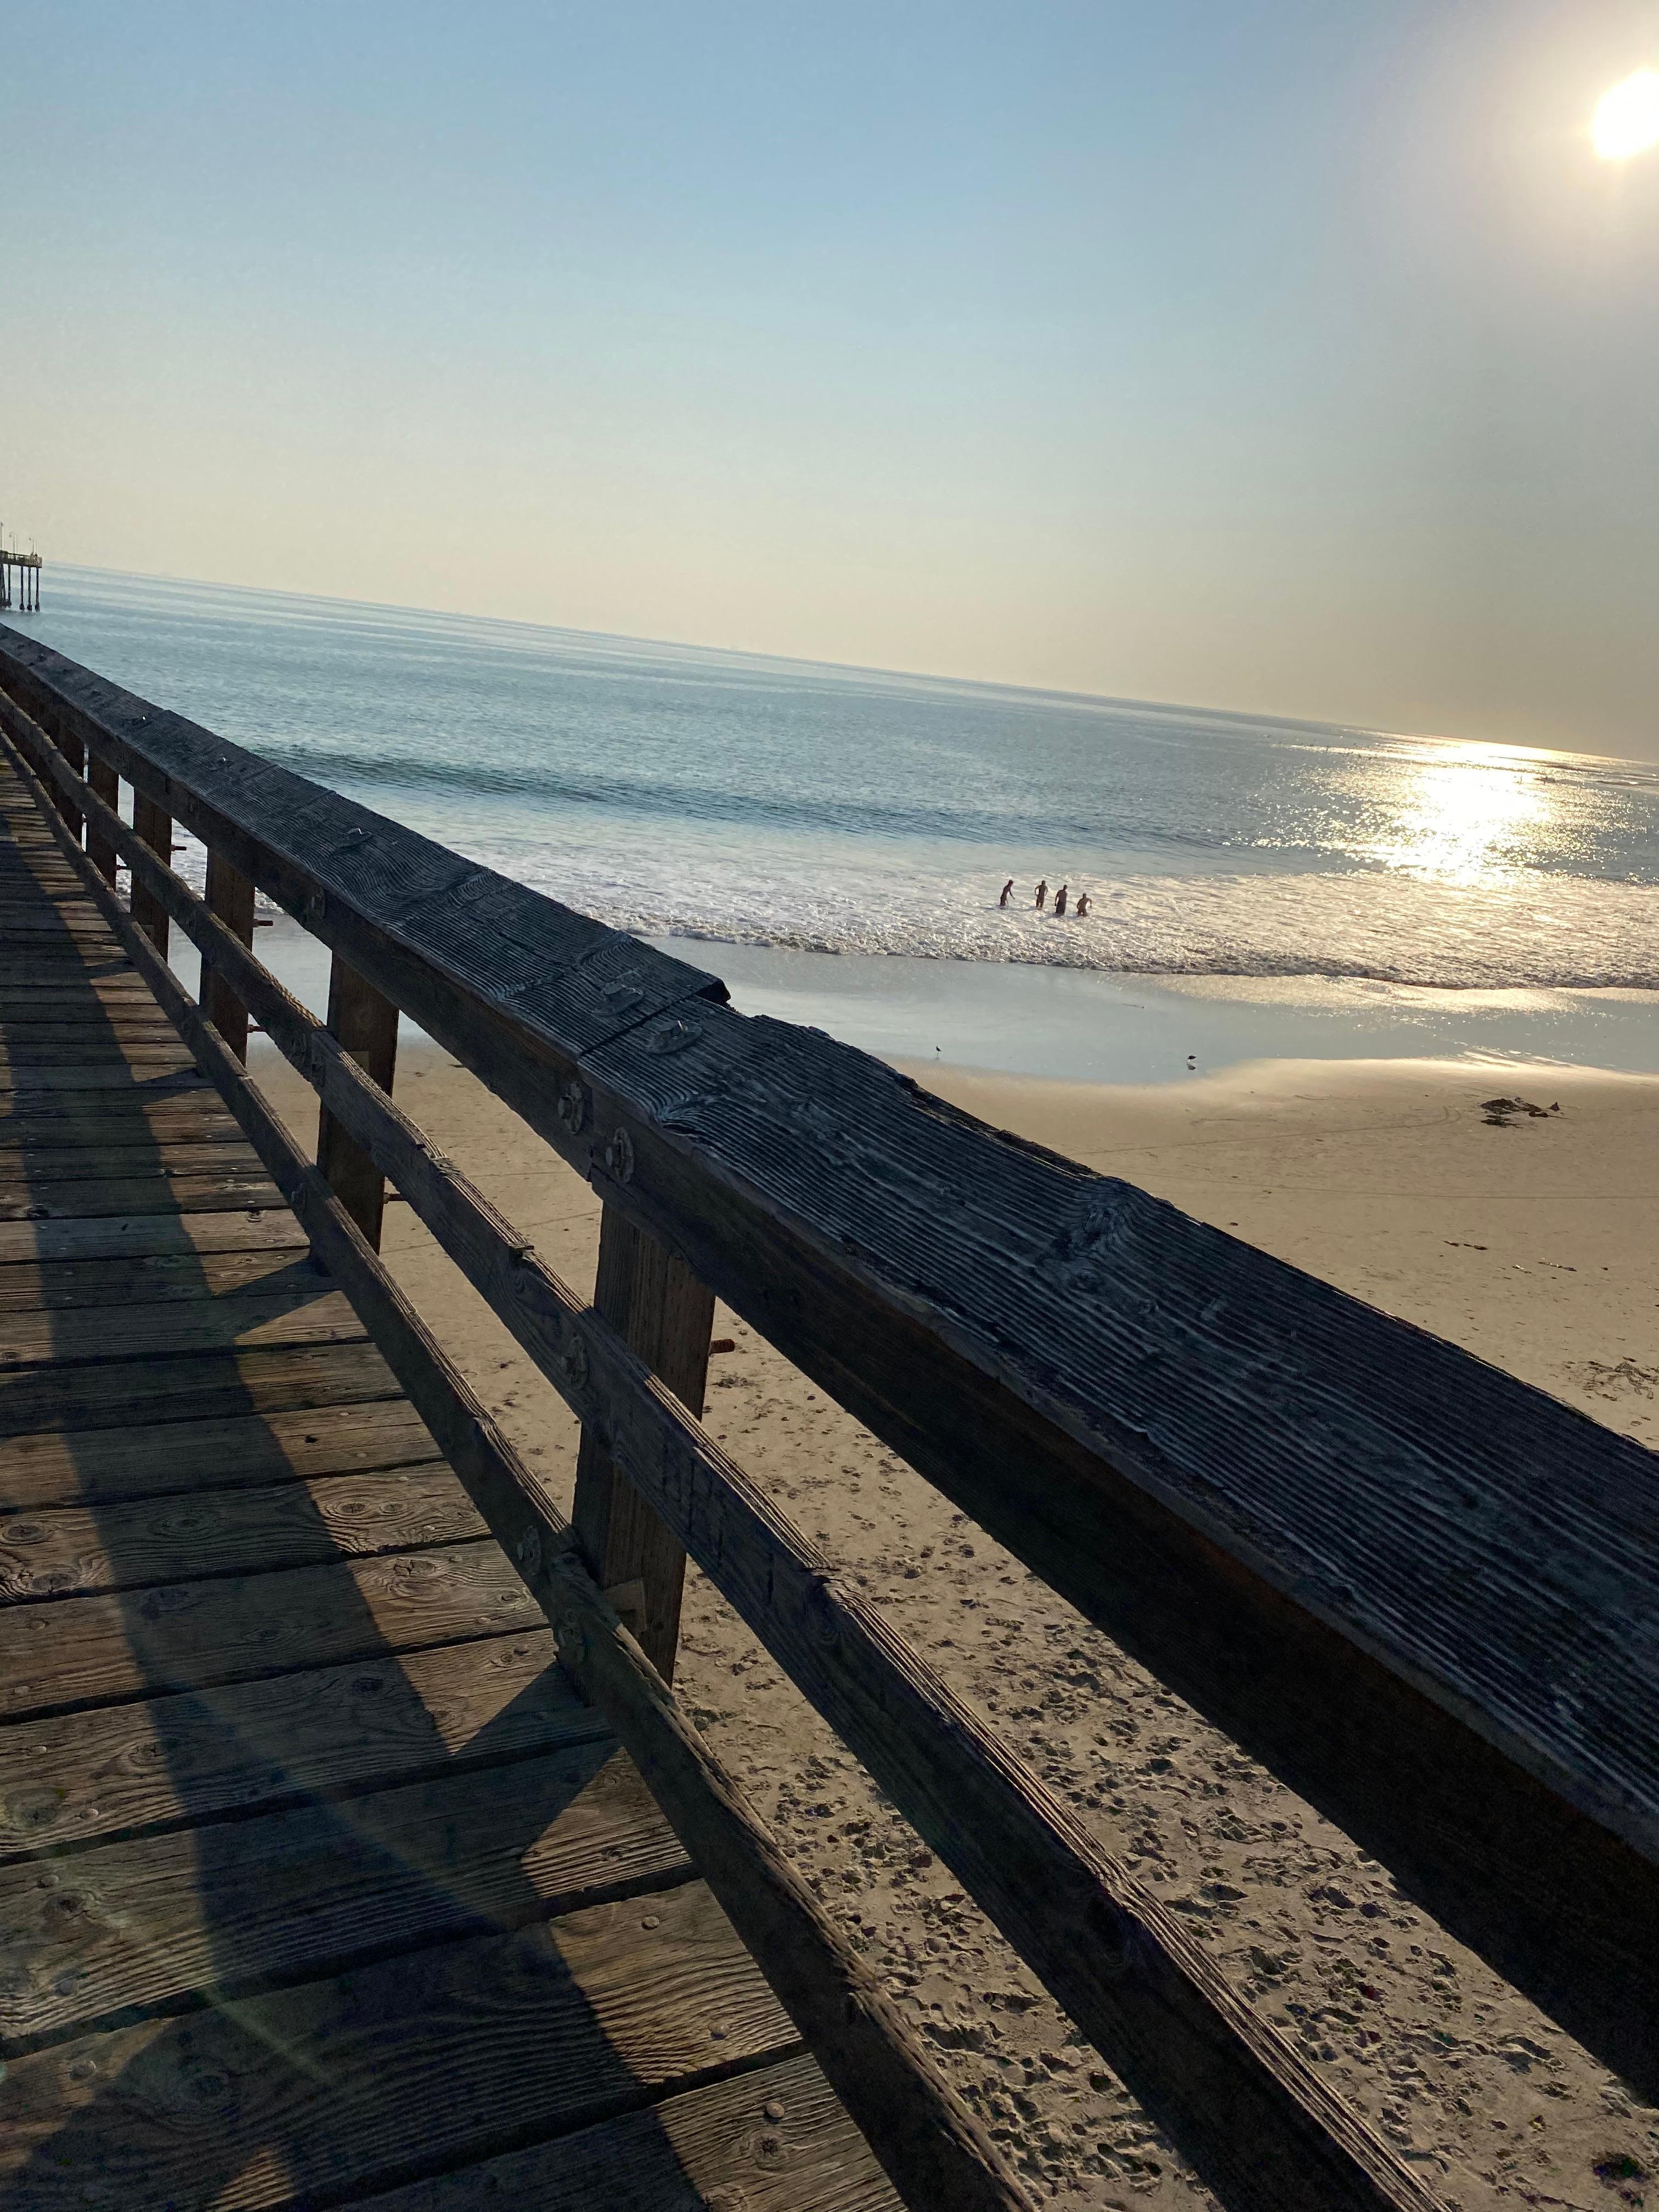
(1466, 813)
(1627, 118)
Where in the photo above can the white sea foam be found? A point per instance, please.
(1556, 932)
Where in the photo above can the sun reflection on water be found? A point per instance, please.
(1466, 813)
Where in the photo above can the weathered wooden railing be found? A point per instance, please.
(1422, 1593)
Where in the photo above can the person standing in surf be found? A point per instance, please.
(1060, 898)
(1007, 892)
(1042, 893)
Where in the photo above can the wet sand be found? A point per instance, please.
(1532, 1245)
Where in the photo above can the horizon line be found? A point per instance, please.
(1347, 729)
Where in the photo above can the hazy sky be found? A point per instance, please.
(1292, 354)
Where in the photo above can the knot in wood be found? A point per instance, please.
(1102, 1231)
(528, 1550)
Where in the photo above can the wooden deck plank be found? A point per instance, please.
(67, 1286)
(44, 921)
(330, 1732)
(52, 1468)
(214, 1191)
(75, 965)
(95, 1026)
(31, 1051)
(775, 2141)
(82, 1651)
(366, 2077)
(164, 1080)
(173, 1122)
(119, 1236)
(30, 995)
(307, 1314)
(193, 1388)
(77, 1550)
(24, 1167)
(31, 1054)
(132, 1927)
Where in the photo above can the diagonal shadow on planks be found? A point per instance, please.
(316, 1878)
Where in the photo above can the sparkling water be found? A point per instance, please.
(736, 800)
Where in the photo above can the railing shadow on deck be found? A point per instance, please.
(200, 2049)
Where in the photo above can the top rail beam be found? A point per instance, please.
(1417, 1590)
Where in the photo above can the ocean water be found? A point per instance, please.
(1369, 891)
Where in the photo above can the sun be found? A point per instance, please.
(1627, 118)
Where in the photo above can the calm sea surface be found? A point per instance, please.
(1463, 895)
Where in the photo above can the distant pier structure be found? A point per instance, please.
(25, 596)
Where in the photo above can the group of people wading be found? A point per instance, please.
(1041, 900)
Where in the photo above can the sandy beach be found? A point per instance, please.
(1532, 1244)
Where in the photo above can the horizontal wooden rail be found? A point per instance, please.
(1257, 2121)
(1421, 1592)
(936, 2153)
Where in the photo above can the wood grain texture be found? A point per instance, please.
(215, 1190)
(135, 1927)
(76, 1549)
(305, 1313)
(775, 2141)
(328, 1733)
(54, 1468)
(191, 1388)
(230, 899)
(80, 1651)
(22, 1087)
(666, 1316)
(30, 996)
(67, 1286)
(366, 1024)
(155, 825)
(130, 1152)
(121, 1237)
(24, 1136)
(107, 786)
(418, 2061)
(101, 1026)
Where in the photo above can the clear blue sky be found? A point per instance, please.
(1272, 354)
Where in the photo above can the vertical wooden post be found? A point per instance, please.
(72, 750)
(102, 775)
(367, 1025)
(155, 828)
(229, 895)
(666, 1314)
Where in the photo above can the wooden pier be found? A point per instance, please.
(25, 595)
(353, 1845)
